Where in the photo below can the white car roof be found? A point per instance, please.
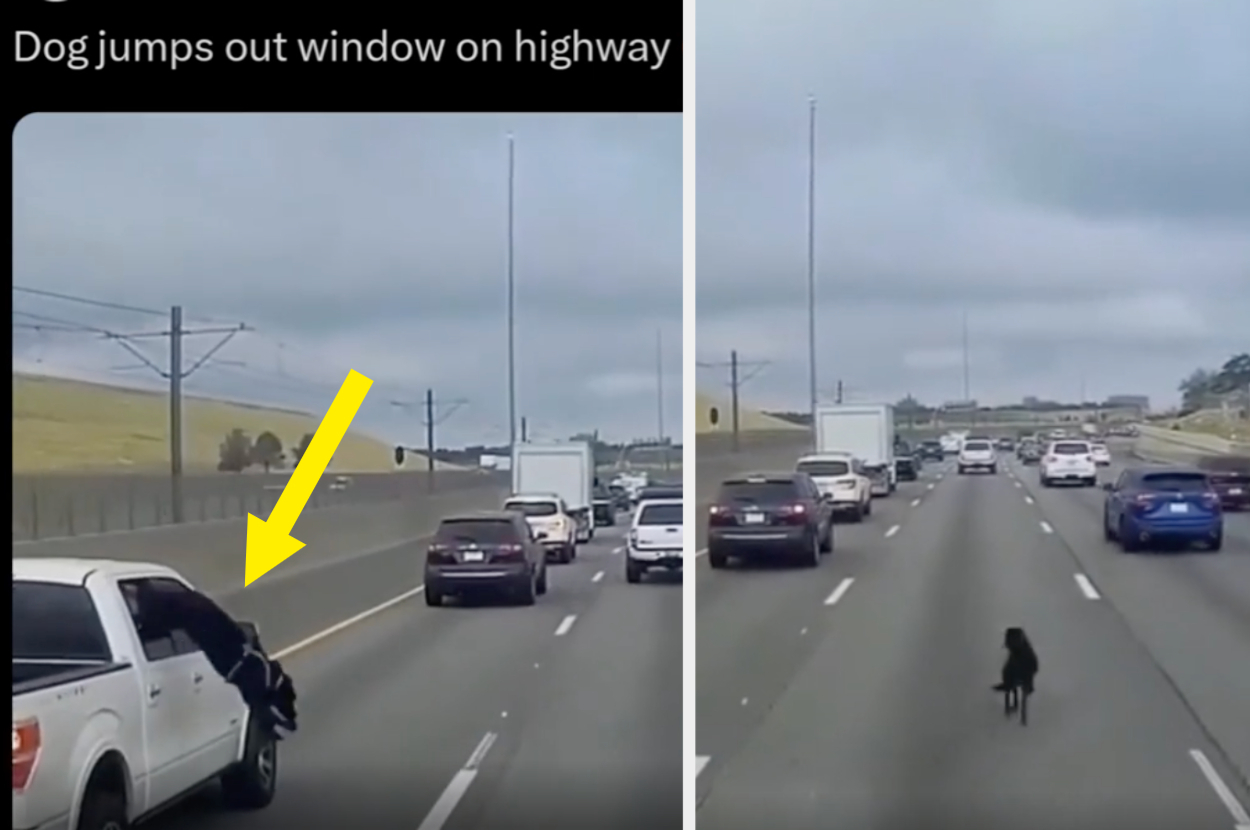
(532, 497)
(834, 455)
(649, 502)
(66, 571)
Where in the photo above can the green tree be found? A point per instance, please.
(302, 447)
(235, 453)
(267, 451)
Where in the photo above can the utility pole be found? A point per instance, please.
(735, 383)
(659, 394)
(838, 396)
(435, 413)
(512, 425)
(175, 373)
(967, 382)
(525, 433)
(811, 255)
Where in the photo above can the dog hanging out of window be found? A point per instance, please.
(1018, 673)
(233, 652)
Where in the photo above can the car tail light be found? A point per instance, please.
(793, 513)
(1143, 501)
(27, 741)
(506, 552)
(437, 552)
(1211, 501)
(719, 514)
(633, 538)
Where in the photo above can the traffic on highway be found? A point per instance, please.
(854, 690)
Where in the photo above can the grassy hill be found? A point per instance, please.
(69, 425)
(749, 420)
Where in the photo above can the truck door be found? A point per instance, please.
(173, 730)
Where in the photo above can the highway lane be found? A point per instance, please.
(825, 703)
(1191, 611)
(486, 716)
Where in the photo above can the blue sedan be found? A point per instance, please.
(1162, 505)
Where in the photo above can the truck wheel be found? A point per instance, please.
(251, 784)
(633, 573)
(541, 586)
(868, 506)
(526, 592)
(716, 559)
(811, 557)
(826, 545)
(433, 597)
(103, 809)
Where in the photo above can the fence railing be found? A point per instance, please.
(52, 506)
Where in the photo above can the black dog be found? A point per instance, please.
(242, 662)
(1018, 673)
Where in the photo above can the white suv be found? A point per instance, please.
(549, 518)
(978, 454)
(839, 480)
(1071, 461)
(656, 538)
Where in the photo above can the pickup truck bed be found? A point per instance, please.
(33, 676)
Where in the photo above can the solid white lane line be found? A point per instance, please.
(842, 588)
(347, 623)
(1087, 587)
(598, 576)
(915, 503)
(1239, 814)
(699, 553)
(565, 625)
(700, 762)
(893, 529)
(1046, 528)
(442, 809)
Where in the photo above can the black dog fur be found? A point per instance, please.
(1018, 672)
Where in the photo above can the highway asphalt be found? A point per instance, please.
(858, 695)
(484, 716)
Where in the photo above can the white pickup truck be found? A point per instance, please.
(112, 722)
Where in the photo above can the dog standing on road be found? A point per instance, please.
(1018, 673)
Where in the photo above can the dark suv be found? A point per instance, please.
(769, 515)
(485, 551)
(932, 451)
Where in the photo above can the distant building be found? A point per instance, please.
(959, 406)
(1140, 402)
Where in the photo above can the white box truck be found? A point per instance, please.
(866, 432)
(566, 469)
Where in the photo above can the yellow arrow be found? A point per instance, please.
(269, 544)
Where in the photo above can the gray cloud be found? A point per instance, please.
(1075, 178)
(373, 242)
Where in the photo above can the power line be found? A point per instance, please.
(736, 381)
(73, 298)
(436, 412)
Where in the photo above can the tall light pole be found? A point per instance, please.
(511, 293)
(659, 385)
(967, 385)
(811, 255)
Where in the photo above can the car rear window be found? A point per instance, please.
(531, 508)
(659, 493)
(660, 514)
(1175, 482)
(1071, 448)
(774, 491)
(479, 531)
(977, 446)
(824, 468)
(56, 622)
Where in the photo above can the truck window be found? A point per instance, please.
(157, 645)
(57, 622)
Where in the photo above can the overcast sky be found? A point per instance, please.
(1075, 176)
(368, 242)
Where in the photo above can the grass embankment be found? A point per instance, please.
(73, 426)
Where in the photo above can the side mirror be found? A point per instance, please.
(1109, 487)
(252, 631)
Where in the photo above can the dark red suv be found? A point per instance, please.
(769, 516)
(494, 551)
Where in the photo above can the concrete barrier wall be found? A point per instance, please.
(56, 505)
(212, 554)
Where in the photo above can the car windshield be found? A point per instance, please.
(757, 492)
(660, 514)
(477, 531)
(1071, 448)
(824, 468)
(1175, 482)
(532, 508)
(977, 446)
